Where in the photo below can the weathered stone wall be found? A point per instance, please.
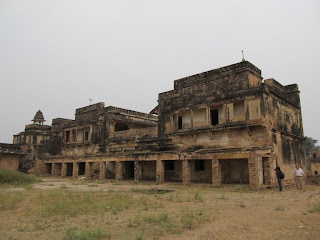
(150, 131)
(9, 161)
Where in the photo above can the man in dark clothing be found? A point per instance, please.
(278, 171)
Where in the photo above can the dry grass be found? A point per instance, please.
(129, 211)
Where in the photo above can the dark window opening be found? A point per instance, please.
(169, 165)
(128, 172)
(86, 135)
(49, 168)
(179, 122)
(199, 165)
(69, 169)
(316, 172)
(67, 136)
(314, 156)
(214, 117)
(82, 168)
(121, 127)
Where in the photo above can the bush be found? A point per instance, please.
(16, 178)
(86, 234)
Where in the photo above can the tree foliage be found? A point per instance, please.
(310, 145)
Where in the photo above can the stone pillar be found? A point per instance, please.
(160, 172)
(208, 116)
(75, 170)
(137, 171)
(186, 174)
(88, 170)
(119, 166)
(102, 171)
(255, 171)
(191, 118)
(53, 170)
(216, 172)
(56, 169)
(64, 170)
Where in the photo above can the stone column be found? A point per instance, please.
(53, 170)
(64, 170)
(255, 171)
(137, 171)
(88, 170)
(186, 174)
(216, 172)
(119, 166)
(160, 172)
(208, 116)
(75, 170)
(102, 171)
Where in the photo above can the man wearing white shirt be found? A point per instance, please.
(298, 174)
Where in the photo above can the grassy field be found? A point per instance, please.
(77, 210)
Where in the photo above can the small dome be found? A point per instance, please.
(38, 118)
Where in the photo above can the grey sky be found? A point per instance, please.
(55, 55)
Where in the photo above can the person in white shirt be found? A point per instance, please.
(298, 174)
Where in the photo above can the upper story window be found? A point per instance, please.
(214, 114)
(121, 127)
(79, 134)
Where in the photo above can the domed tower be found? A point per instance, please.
(38, 118)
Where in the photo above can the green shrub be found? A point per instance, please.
(187, 220)
(16, 178)
(86, 234)
(315, 208)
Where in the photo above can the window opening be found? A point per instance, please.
(86, 134)
(121, 127)
(179, 122)
(67, 136)
(214, 117)
(169, 165)
(199, 165)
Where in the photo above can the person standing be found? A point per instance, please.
(279, 177)
(298, 174)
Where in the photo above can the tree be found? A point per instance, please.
(310, 145)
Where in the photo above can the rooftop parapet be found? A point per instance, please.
(130, 112)
(37, 127)
(219, 72)
(88, 113)
(58, 121)
(90, 108)
(11, 149)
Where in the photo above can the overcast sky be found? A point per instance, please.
(55, 55)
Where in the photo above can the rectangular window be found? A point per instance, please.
(67, 136)
(169, 165)
(179, 122)
(199, 165)
(214, 117)
(86, 135)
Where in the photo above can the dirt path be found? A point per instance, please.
(234, 212)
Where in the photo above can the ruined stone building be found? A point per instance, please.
(224, 126)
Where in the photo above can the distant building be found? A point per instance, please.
(224, 126)
(315, 162)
